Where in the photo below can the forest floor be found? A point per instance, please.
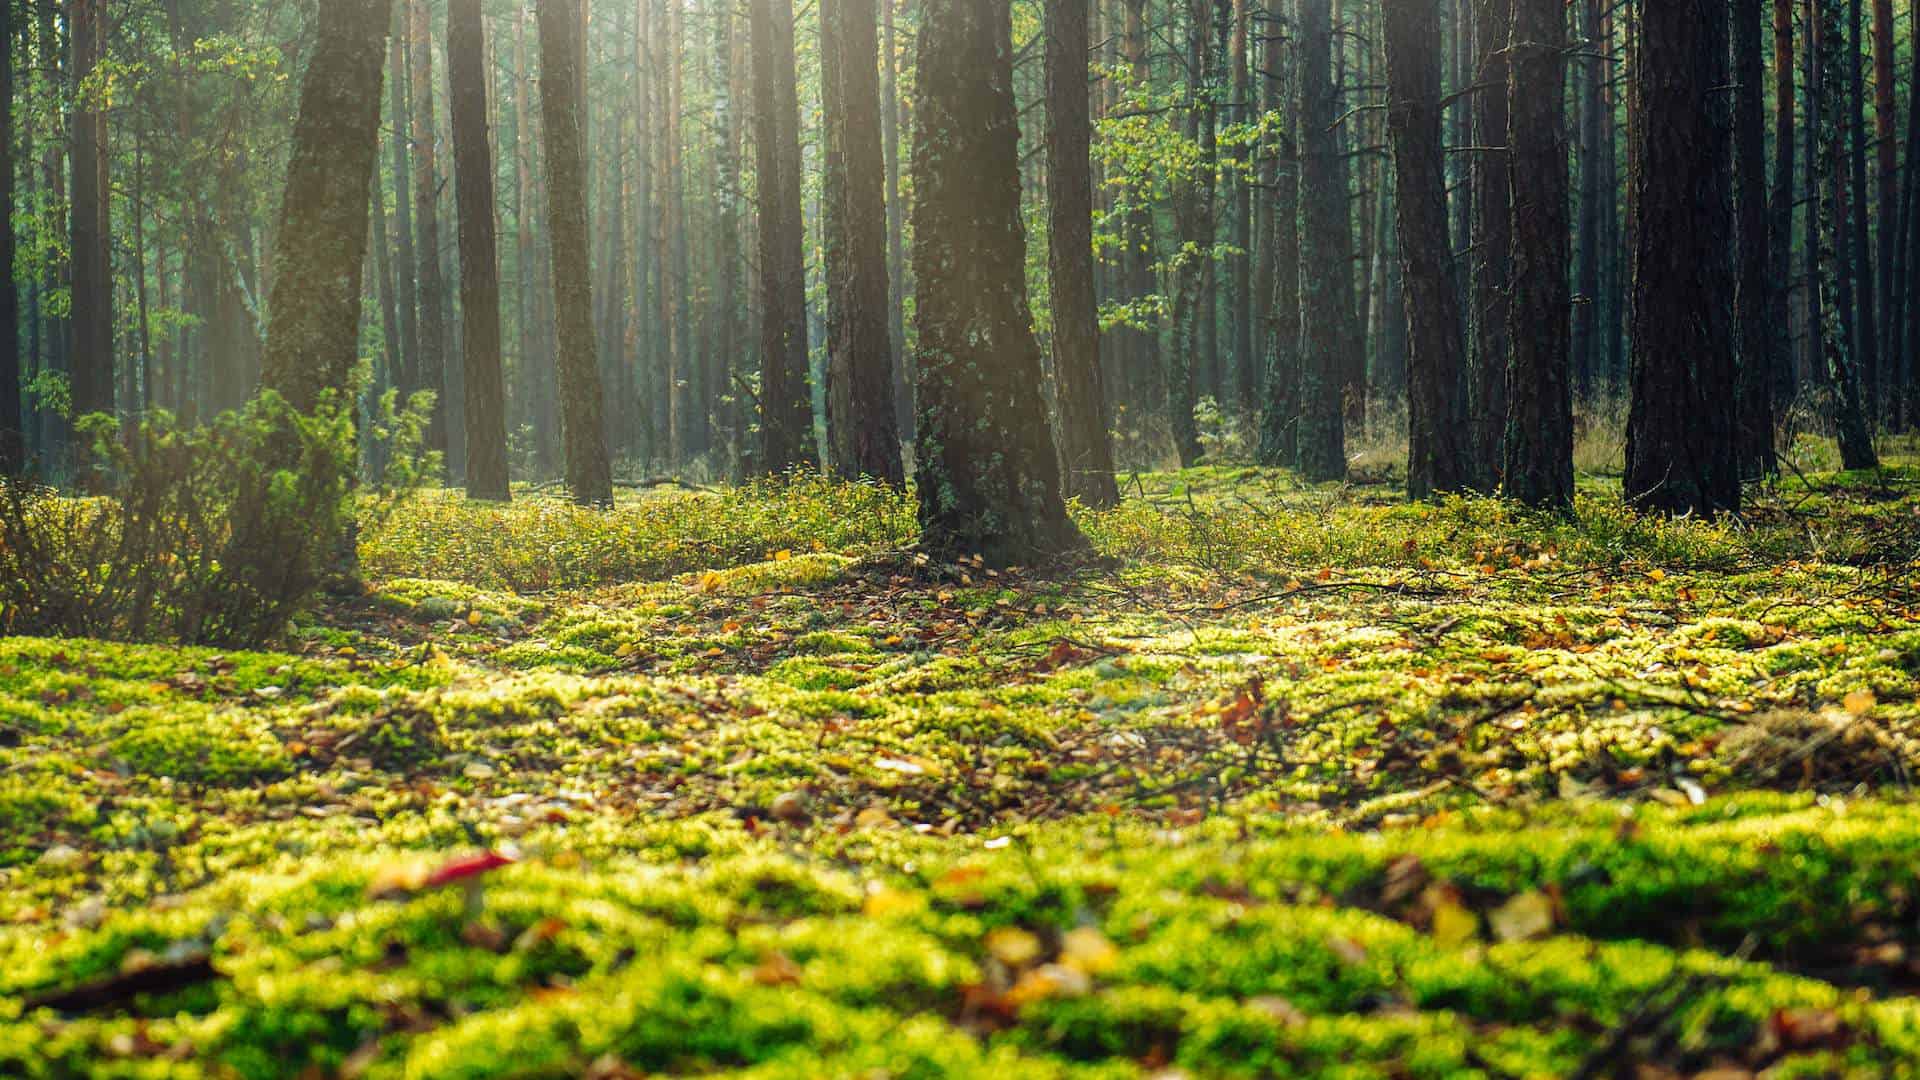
(1283, 782)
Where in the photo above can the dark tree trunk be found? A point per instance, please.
(1491, 180)
(406, 272)
(1080, 394)
(426, 214)
(1280, 412)
(1864, 311)
(1240, 390)
(1887, 210)
(1910, 385)
(91, 360)
(987, 476)
(486, 394)
(1753, 300)
(313, 335)
(589, 473)
(890, 135)
(13, 441)
(1190, 368)
(1326, 250)
(862, 438)
(1437, 449)
(1539, 441)
(1785, 148)
(1835, 243)
(786, 413)
(1586, 308)
(1681, 455)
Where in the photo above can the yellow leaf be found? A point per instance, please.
(1860, 702)
(1013, 946)
(474, 618)
(1656, 574)
(782, 555)
(712, 580)
(1048, 981)
(883, 902)
(1088, 950)
(1527, 916)
(1453, 925)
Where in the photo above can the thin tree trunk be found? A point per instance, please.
(426, 213)
(786, 422)
(1326, 310)
(13, 440)
(1280, 412)
(486, 395)
(1785, 147)
(1862, 279)
(1491, 179)
(589, 472)
(92, 361)
(1753, 301)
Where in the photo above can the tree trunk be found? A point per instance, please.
(1681, 455)
(1436, 449)
(1491, 179)
(313, 335)
(1080, 393)
(486, 395)
(91, 360)
(1835, 244)
(786, 413)
(1866, 320)
(1586, 308)
(862, 439)
(891, 123)
(1280, 412)
(1326, 256)
(1539, 440)
(1753, 300)
(1785, 146)
(426, 192)
(987, 476)
(1887, 211)
(406, 270)
(1190, 369)
(13, 440)
(589, 473)
(1240, 395)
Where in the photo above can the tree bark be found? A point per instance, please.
(1280, 412)
(13, 439)
(1326, 258)
(1681, 455)
(1865, 310)
(91, 360)
(1785, 147)
(313, 334)
(426, 214)
(1437, 450)
(1539, 441)
(786, 410)
(1753, 300)
(1491, 180)
(987, 477)
(486, 395)
(1080, 392)
(1887, 210)
(1190, 368)
(589, 472)
(862, 438)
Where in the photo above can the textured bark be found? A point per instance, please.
(589, 472)
(1887, 210)
(1680, 434)
(1080, 392)
(1910, 354)
(891, 123)
(1190, 369)
(1835, 241)
(1586, 311)
(1862, 279)
(1280, 412)
(732, 328)
(1753, 300)
(1491, 180)
(313, 336)
(486, 395)
(92, 363)
(1539, 442)
(987, 477)
(786, 412)
(1243, 363)
(862, 437)
(406, 281)
(1326, 250)
(426, 217)
(13, 442)
(1437, 434)
(1785, 151)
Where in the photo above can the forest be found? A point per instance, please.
(913, 539)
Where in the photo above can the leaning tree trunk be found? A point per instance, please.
(1326, 311)
(1491, 180)
(313, 334)
(1753, 300)
(486, 394)
(863, 439)
(988, 480)
(786, 412)
(1437, 446)
(1680, 433)
(589, 472)
(1080, 394)
(1539, 442)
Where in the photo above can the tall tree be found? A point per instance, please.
(1490, 178)
(1865, 310)
(426, 215)
(1753, 300)
(1887, 167)
(1785, 147)
(313, 333)
(13, 438)
(1680, 433)
(1539, 441)
(1326, 249)
(1437, 450)
(91, 215)
(1280, 413)
(1191, 365)
(862, 437)
(786, 415)
(1080, 393)
(1833, 239)
(486, 395)
(589, 471)
(406, 281)
(987, 477)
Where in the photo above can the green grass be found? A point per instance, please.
(1292, 782)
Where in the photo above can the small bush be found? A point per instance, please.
(212, 535)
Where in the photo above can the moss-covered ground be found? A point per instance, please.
(1278, 782)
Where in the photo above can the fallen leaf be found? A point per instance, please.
(1526, 916)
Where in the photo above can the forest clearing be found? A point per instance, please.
(1284, 781)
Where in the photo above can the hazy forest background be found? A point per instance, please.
(948, 538)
